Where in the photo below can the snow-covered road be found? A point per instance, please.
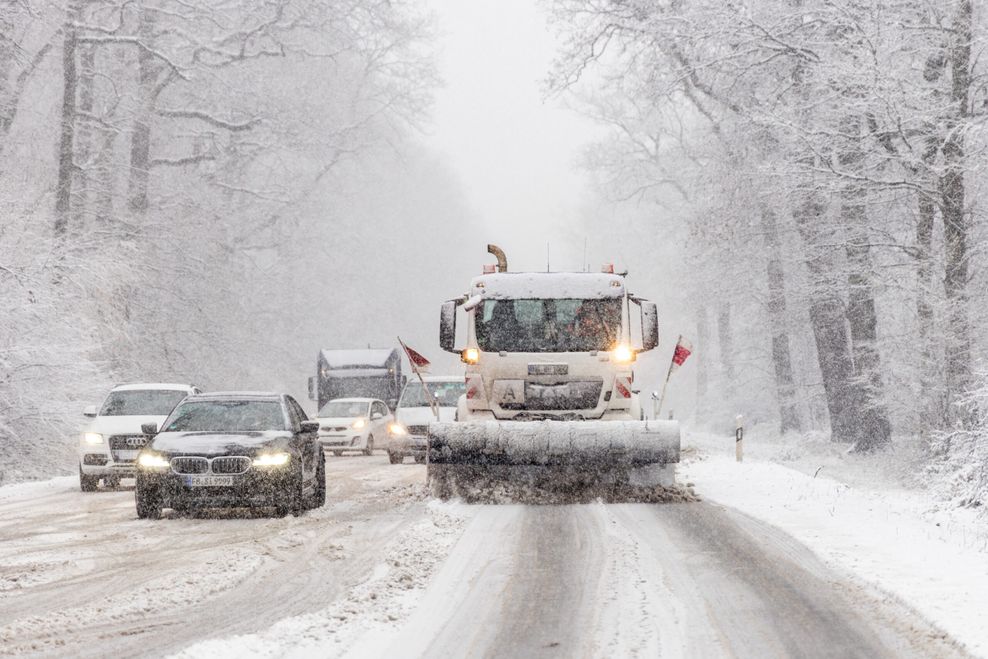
(383, 571)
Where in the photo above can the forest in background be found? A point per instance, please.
(207, 191)
(824, 163)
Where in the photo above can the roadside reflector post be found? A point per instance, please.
(739, 438)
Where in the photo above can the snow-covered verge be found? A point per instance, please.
(370, 612)
(860, 514)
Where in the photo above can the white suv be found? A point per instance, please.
(110, 442)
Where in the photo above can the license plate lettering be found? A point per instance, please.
(208, 481)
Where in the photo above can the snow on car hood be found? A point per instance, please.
(423, 416)
(337, 420)
(218, 443)
(122, 425)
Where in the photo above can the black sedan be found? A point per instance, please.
(235, 449)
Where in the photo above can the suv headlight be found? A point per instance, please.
(278, 459)
(397, 429)
(92, 438)
(151, 460)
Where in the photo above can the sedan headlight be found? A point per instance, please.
(358, 424)
(151, 460)
(92, 438)
(397, 429)
(279, 459)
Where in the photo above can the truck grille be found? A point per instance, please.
(190, 465)
(237, 464)
(573, 395)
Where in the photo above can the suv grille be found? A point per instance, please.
(124, 448)
(237, 464)
(128, 442)
(190, 465)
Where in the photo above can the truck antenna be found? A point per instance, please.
(547, 256)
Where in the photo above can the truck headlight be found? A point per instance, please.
(397, 429)
(92, 438)
(278, 459)
(623, 354)
(358, 424)
(470, 356)
(150, 460)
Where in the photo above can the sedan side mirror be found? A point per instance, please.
(310, 425)
(90, 410)
(376, 415)
(149, 428)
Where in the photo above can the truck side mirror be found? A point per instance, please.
(447, 325)
(312, 388)
(650, 325)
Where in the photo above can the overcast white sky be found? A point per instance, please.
(514, 154)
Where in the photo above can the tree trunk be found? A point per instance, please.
(955, 221)
(873, 428)
(726, 342)
(66, 146)
(781, 355)
(931, 407)
(140, 142)
(85, 135)
(702, 377)
(829, 325)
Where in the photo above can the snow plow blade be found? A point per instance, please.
(552, 461)
(599, 443)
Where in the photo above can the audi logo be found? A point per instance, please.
(136, 441)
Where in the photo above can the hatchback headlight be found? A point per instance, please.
(397, 429)
(279, 459)
(151, 460)
(92, 438)
(358, 424)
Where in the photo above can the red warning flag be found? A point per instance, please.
(683, 350)
(418, 362)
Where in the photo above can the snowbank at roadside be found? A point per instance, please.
(900, 540)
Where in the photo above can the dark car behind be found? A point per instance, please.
(234, 449)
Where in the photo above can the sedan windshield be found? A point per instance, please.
(535, 325)
(343, 409)
(226, 416)
(142, 402)
(445, 393)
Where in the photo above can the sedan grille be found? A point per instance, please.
(237, 464)
(190, 465)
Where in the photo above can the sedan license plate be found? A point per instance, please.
(208, 481)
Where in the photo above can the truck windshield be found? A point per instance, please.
(445, 393)
(226, 416)
(142, 402)
(555, 325)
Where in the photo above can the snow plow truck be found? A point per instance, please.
(550, 400)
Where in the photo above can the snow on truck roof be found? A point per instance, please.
(551, 285)
(367, 358)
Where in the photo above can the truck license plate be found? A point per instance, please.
(208, 481)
